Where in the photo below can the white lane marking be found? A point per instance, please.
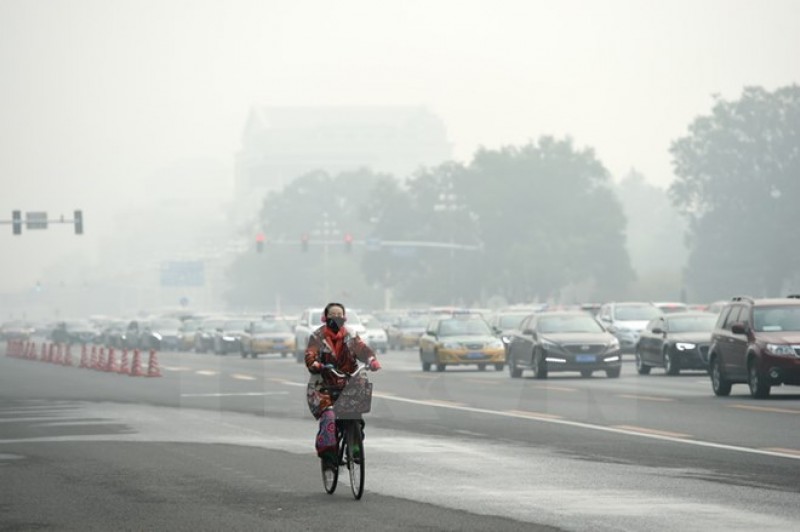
(647, 398)
(243, 377)
(766, 409)
(32, 419)
(176, 368)
(589, 426)
(206, 372)
(646, 430)
(243, 394)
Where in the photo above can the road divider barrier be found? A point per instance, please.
(91, 358)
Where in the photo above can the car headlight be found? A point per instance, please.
(506, 339)
(157, 336)
(613, 345)
(495, 344)
(781, 349)
(229, 338)
(451, 345)
(684, 346)
(547, 344)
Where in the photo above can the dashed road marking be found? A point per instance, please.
(647, 398)
(766, 409)
(243, 377)
(206, 372)
(656, 432)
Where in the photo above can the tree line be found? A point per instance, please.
(544, 219)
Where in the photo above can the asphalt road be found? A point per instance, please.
(228, 442)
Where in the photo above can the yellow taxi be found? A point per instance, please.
(268, 335)
(460, 339)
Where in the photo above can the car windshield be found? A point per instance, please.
(511, 321)
(212, 325)
(166, 325)
(568, 324)
(271, 326)
(636, 313)
(776, 319)
(235, 325)
(190, 325)
(457, 327)
(415, 322)
(693, 324)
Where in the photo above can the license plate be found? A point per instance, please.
(475, 355)
(584, 358)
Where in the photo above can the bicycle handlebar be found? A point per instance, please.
(332, 369)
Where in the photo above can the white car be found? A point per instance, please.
(627, 320)
(310, 320)
(375, 335)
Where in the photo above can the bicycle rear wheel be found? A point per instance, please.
(355, 460)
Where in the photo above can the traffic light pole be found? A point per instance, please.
(39, 220)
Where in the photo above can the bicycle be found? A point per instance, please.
(349, 405)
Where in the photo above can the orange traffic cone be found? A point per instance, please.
(124, 368)
(67, 356)
(152, 367)
(43, 355)
(84, 363)
(56, 359)
(93, 359)
(51, 353)
(136, 366)
(101, 359)
(111, 363)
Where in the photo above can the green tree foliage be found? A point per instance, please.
(325, 208)
(543, 213)
(548, 219)
(738, 184)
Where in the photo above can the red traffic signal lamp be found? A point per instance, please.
(260, 242)
(348, 242)
(304, 242)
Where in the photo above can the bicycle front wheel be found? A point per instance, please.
(355, 458)
(330, 472)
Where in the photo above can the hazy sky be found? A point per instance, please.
(98, 95)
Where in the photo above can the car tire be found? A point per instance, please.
(513, 371)
(499, 367)
(586, 373)
(671, 365)
(613, 373)
(481, 367)
(426, 366)
(539, 366)
(759, 385)
(720, 385)
(641, 367)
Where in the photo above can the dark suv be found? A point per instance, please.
(756, 341)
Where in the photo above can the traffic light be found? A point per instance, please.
(348, 243)
(260, 242)
(78, 219)
(16, 222)
(304, 242)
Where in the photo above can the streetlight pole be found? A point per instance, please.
(448, 203)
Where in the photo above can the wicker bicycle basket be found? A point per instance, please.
(355, 399)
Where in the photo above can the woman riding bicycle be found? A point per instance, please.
(332, 345)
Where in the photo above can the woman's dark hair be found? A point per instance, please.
(329, 305)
